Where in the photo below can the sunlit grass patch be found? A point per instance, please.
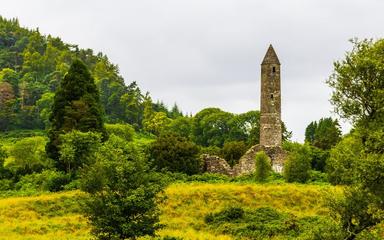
(49, 216)
(188, 204)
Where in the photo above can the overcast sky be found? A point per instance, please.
(207, 53)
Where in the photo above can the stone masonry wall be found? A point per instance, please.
(246, 165)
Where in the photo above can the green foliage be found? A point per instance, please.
(357, 82)
(47, 180)
(298, 165)
(4, 173)
(318, 177)
(181, 126)
(76, 106)
(353, 210)
(27, 155)
(245, 127)
(124, 131)
(175, 154)
(233, 151)
(208, 178)
(344, 157)
(323, 134)
(6, 184)
(358, 96)
(265, 223)
(319, 158)
(122, 193)
(77, 149)
(211, 126)
(374, 233)
(211, 150)
(44, 105)
(263, 166)
(229, 214)
(156, 123)
(32, 66)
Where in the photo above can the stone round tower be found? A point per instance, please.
(270, 101)
(270, 125)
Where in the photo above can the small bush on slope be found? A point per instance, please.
(267, 223)
(298, 165)
(122, 189)
(263, 166)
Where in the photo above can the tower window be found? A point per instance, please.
(273, 69)
(271, 96)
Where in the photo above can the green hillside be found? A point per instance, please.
(56, 215)
(32, 66)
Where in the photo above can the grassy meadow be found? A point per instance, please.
(57, 215)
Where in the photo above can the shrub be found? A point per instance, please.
(226, 215)
(233, 151)
(260, 223)
(318, 177)
(28, 155)
(211, 150)
(175, 154)
(319, 158)
(268, 223)
(124, 131)
(6, 184)
(122, 202)
(48, 180)
(353, 210)
(4, 172)
(298, 165)
(209, 178)
(77, 149)
(263, 166)
(343, 160)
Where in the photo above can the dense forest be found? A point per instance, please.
(126, 167)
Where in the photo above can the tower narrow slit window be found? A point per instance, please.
(273, 69)
(272, 96)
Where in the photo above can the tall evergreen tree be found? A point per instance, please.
(76, 106)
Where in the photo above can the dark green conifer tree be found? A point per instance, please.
(76, 107)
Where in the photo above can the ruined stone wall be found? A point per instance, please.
(246, 165)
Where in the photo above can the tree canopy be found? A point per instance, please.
(76, 106)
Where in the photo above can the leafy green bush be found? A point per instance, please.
(263, 166)
(319, 228)
(354, 210)
(233, 151)
(27, 155)
(77, 149)
(344, 158)
(4, 172)
(175, 154)
(298, 165)
(6, 184)
(374, 233)
(211, 150)
(318, 177)
(227, 215)
(260, 223)
(47, 180)
(209, 178)
(122, 193)
(268, 223)
(125, 131)
(319, 158)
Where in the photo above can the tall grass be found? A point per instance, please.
(186, 205)
(49, 216)
(57, 215)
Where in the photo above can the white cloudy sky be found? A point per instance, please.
(202, 53)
